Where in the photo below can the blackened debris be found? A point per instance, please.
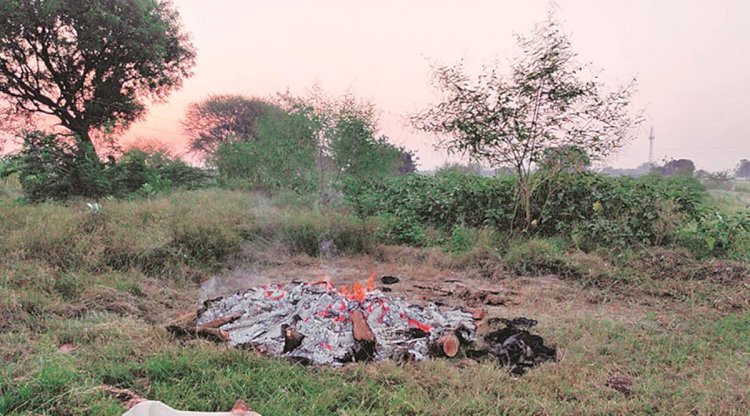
(520, 322)
(516, 348)
(389, 280)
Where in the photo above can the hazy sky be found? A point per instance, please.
(691, 58)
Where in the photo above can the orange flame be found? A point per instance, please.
(357, 291)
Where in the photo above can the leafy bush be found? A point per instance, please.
(594, 208)
(315, 144)
(144, 172)
(462, 239)
(281, 158)
(536, 257)
(718, 234)
(404, 229)
(357, 153)
(601, 210)
(50, 168)
(443, 202)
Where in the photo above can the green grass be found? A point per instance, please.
(107, 282)
(699, 368)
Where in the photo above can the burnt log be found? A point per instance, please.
(212, 334)
(448, 344)
(360, 328)
(364, 348)
(220, 321)
(292, 338)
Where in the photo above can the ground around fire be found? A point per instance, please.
(84, 302)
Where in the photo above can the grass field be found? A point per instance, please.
(105, 283)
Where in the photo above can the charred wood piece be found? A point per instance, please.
(218, 322)
(292, 338)
(448, 345)
(390, 280)
(364, 348)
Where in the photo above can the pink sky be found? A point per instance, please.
(690, 58)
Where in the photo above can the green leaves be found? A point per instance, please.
(282, 157)
(717, 234)
(592, 210)
(51, 167)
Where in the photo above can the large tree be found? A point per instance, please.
(221, 119)
(743, 169)
(545, 101)
(90, 64)
(676, 167)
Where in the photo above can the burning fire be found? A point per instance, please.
(357, 291)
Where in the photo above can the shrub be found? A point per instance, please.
(50, 168)
(536, 257)
(402, 229)
(446, 201)
(594, 208)
(616, 211)
(144, 172)
(282, 157)
(718, 234)
(462, 239)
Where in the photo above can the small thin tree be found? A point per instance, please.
(542, 103)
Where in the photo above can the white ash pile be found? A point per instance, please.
(316, 323)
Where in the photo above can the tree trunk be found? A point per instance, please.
(88, 175)
(527, 204)
(86, 149)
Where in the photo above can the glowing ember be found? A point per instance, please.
(416, 324)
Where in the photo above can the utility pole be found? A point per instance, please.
(651, 147)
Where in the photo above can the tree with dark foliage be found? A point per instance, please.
(409, 163)
(222, 119)
(743, 169)
(676, 167)
(90, 64)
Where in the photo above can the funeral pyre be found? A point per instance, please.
(317, 323)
